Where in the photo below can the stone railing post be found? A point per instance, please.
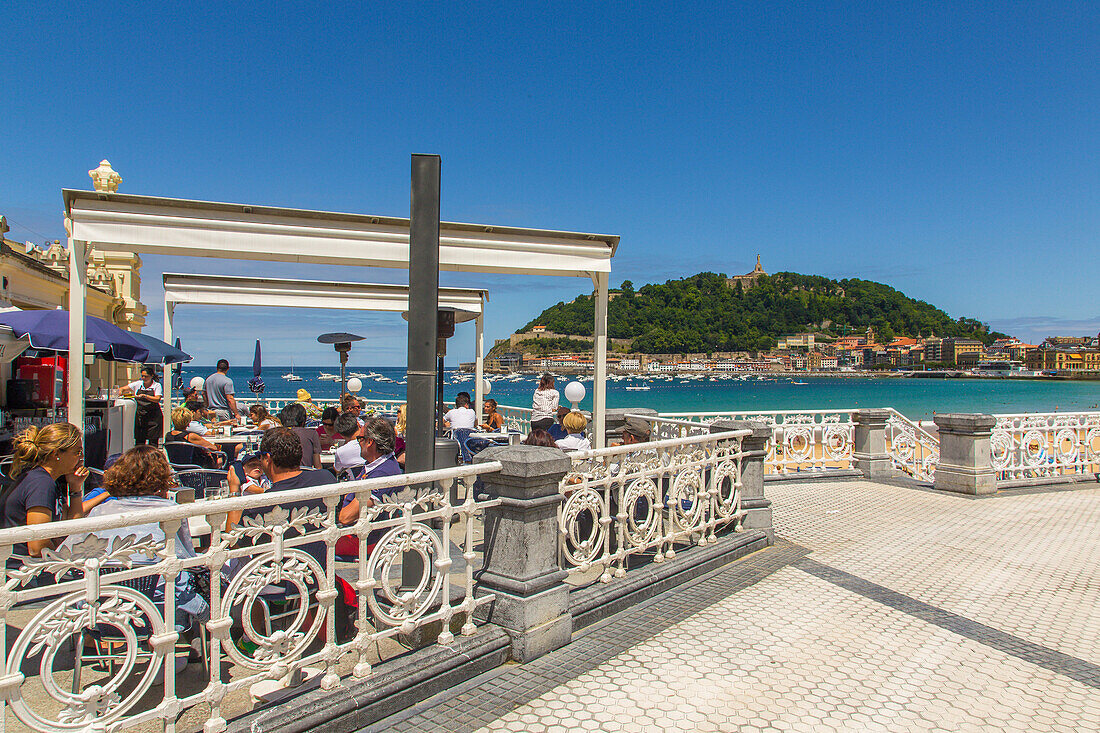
(966, 464)
(869, 452)
(521, 550)
(758, 509)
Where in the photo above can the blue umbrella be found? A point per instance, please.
(160, 352)
(49, 330)
(256, 384)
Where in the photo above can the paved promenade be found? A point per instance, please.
(883, 608)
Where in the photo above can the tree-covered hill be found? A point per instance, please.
(702, 314)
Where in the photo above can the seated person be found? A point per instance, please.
(347, 455)
(376, 443)
(139, 481)
(305, 399)
(293, 416)
(208, 456)
(48, 477)
(574, 423)
(636, 430)
(261, 419)
(350, 403)
(494, 421)
(327, 429)
(399, 428)
(557, 430)
(540, 437)
(246, 476)
(281, 462)
(461, 417)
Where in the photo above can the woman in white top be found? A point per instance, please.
(148, 420)
(545, 404)
(574, 423)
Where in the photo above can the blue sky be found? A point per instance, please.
(949, 150)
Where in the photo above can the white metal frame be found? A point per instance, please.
(468, 304)
(147, 224)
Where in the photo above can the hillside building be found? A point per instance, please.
(748, 280)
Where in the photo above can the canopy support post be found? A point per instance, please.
(78, 280)
(479, 365)
(166, 371)
(599, 377)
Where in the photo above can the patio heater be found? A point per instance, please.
(342, 343)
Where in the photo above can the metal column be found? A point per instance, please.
(479, 362)
(78, 278)
(420, 387)
(599, 378)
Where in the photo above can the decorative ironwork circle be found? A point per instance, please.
(837, 440)
(394, 603)
(1092, 445)
(1034, 448)
(583, 540)
(1000, 449)
(799, 442)
(1065, 445)
(729, 493)
(683, 498)
(640, 504)
(122, 608)
(297, 574)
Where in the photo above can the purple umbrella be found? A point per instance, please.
(49, 330)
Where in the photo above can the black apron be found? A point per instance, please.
(148, 419)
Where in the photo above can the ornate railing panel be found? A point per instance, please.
(653, 497)
(101, 580)
(803, 440)
(274, 404)
(666, 428)
(516, 418)
(912, 448)
(1054, 444)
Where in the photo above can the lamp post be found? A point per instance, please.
(342, 343)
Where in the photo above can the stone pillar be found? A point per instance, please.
(869, 453)
(521, 550)
(758, 511)
(616, 419)
(965, 460)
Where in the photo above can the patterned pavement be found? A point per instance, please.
(912, 611)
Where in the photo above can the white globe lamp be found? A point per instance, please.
(197, 382)
(355, 385)
(574, 392)
(486, 386)
(87, 384)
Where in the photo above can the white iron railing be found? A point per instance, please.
(912, 448)
(516, 418)
(1053, 444)
(665, 428)
(274, 404)
(802, 440)
(628, 500)
(287, 540)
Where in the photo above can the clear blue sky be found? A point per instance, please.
(947, 149)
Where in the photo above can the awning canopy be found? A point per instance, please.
(276, 292)
(166, 226)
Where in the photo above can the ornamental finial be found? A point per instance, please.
(104, 178)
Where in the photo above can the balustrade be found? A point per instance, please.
(625, 501)
(1025, 446)
(284, 549)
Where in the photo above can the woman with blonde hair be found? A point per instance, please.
(181, 418)
(574, 424)
(49, 476)
(399, 429)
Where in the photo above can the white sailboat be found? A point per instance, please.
(291, 376)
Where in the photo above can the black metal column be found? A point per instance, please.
(420, 389)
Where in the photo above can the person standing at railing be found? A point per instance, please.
(544, 405)
(48, 477)
(219, 393)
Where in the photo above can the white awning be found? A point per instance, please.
(236, 231)
(274, 292)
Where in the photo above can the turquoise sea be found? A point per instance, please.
(915, 398)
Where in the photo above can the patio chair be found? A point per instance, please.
(201, 479)
(107, 639)
(187, 454)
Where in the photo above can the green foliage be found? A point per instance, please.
(553, 345)
(702, 314)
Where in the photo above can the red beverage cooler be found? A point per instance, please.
(48, 377)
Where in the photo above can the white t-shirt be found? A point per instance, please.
(574, 441)
(348, 456)
(139, 387)
(544, 404)
(197, 428)
(461, 417)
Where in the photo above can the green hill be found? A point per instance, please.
(702, 313)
